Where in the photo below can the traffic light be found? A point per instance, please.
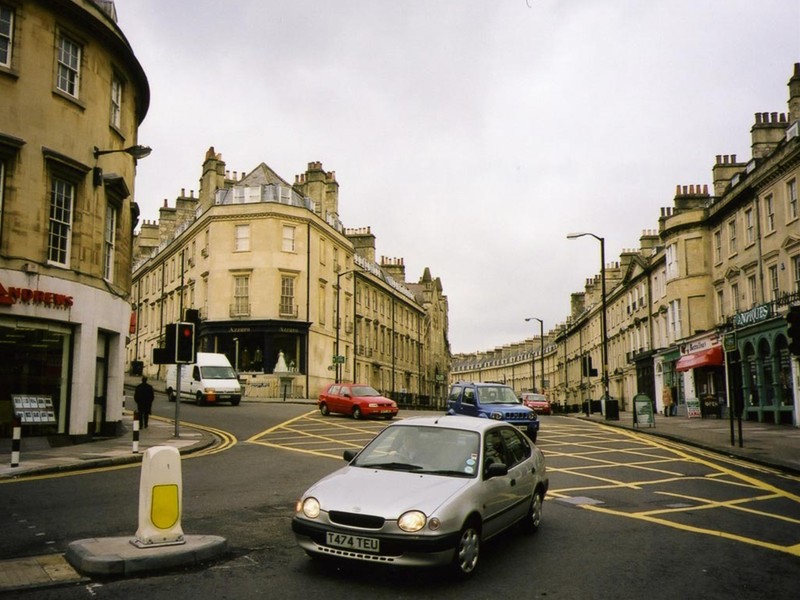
(184, 343)
(793, 329)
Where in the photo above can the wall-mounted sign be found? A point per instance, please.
(752, 316)
(14, 295)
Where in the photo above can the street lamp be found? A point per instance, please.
(136, 151)
(603, 325)
(541, 349)
(336, 358)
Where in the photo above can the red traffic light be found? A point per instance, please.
(184, 344)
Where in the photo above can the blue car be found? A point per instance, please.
(492, 401)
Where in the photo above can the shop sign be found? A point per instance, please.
(752, 316)
(14, 295)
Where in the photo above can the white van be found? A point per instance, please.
(210, 379)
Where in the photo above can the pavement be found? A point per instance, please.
(775, 446)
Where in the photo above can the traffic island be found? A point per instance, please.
(117, 556)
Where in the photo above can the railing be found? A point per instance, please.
(240, 310)
(286, 310)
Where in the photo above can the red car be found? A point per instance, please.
(537, 402)
(355, 399)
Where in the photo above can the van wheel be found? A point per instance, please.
(170, 394)
(235, 401)
(199, 399)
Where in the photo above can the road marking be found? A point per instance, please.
(720, 474)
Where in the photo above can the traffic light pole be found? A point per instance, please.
(178, 399)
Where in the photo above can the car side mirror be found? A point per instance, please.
(496, 470)
(349, 455)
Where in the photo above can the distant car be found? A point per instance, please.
(355, 399)
(492, 401)
(426, 491)
(537, 402)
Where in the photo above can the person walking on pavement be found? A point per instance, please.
(144, 396)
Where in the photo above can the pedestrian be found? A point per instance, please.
(144, 396)
(666, 397)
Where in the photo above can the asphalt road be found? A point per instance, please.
(629, 516)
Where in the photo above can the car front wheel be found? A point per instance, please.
(324, 410)
(534, 517)
(356, 412)
(467, 550)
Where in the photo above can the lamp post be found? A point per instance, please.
(603, 323)
(136, 151)
(336, 359)
(541, 351)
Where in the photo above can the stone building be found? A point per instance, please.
(697, 313)
(72, 96)
(271, 270)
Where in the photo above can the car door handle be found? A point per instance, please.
(513, 482)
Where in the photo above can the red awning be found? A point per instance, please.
(704, 358)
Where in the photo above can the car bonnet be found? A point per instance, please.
(385, 493)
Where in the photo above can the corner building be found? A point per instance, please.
(69, 84)
(293, 298)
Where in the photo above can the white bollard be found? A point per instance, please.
(16, 441)
(160, 492)
(135, 432)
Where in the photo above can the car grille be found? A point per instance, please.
(355, 520)
(518, 416)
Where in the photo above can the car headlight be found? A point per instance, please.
(412, 521)
(310, 507)
(497, 416)
(373, 405)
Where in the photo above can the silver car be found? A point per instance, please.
(425, 491)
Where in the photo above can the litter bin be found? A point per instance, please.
(611, 409)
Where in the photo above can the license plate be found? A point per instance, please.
(385, 412)
(353, 542)
(224, 396)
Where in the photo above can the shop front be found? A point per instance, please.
(61, 357)
(765, 368)
(254, 348)
(702, 363)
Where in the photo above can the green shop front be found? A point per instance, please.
(760, 367)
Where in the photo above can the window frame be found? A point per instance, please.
(791, 200)
(72, 86)
(288, 241)
(59, 230)
(116, 94)
(286, 306)
(8, 36)
(110, 245)
(241, 243)
(241, 293)
(769, 213)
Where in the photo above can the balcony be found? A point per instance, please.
(240, 309)
(288, 311)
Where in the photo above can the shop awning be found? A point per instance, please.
(703, 358)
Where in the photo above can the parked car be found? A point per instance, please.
(537, 402)
(493, 401)
(426, 491)
(355, 399)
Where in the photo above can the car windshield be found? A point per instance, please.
(223, 372)
(499, 394)
(363, 390)
(423, 449)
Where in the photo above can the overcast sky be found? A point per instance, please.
(470, 135)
